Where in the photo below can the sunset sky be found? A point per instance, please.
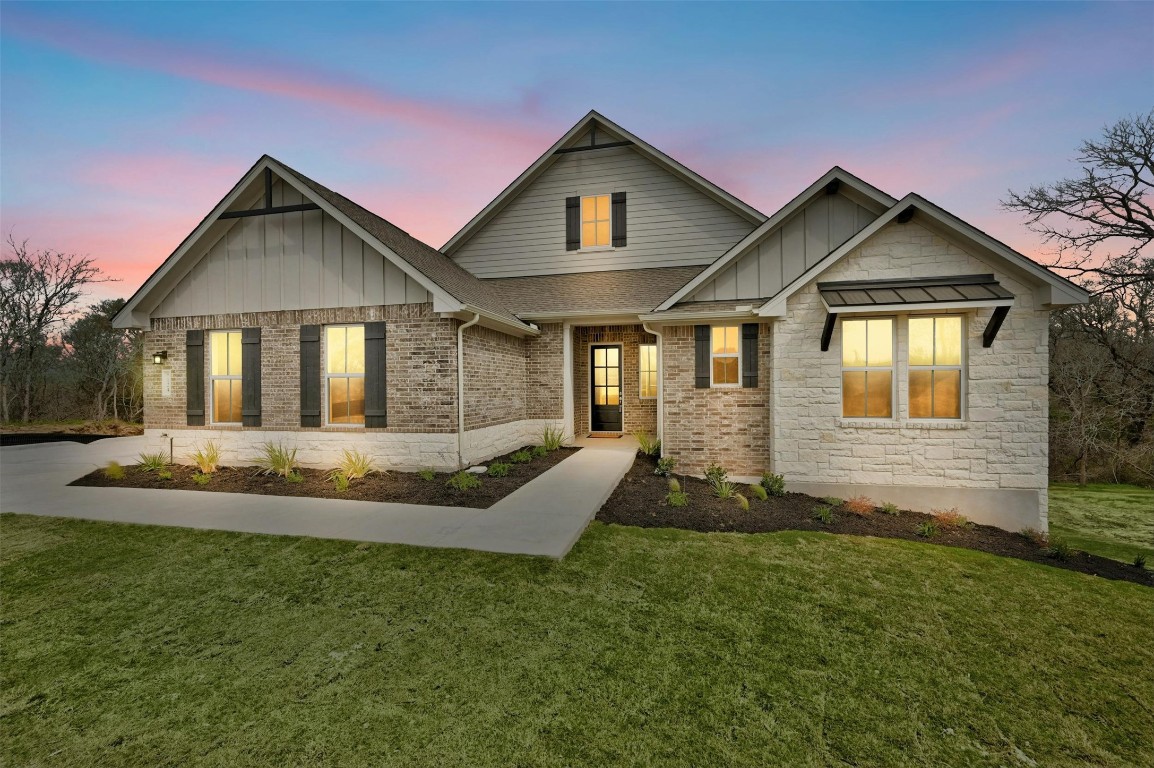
(123, 124)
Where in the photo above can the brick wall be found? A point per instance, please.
(494, 378)
(638, 414)
(420, 355)
(544, 363)
(729, 426)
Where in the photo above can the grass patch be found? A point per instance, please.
(1115, 521)
(131, 645)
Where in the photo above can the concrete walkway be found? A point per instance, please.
(544, 517)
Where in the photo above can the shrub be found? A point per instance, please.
(1059, 549)
(294, 477)
(647, 444)
(773, 484)
(674, 485)
(715, 474)
(521, 457)
(207, 457)
(499, 469)
(677, 499)
(426, 474)
(665, 466)
(889, 508)
(540, 451)
(164, 474)
(201, 478)
(741, 502)
(823, 514)
(340, 480)
(113, 471)
(1139, 561)
(951, 519)
(151, 462)
(1035, 537)
(355, 465)
(860, 506)
(553, 438)
(759, 492)
(724, 490)
(833, 501)
(463, 481)
(275, 459)
(927, 530)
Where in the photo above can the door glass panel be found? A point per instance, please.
(599, 376)
(599, 357)
(614, 378)
(611, 356)
(879, 394)
(948, 341)
(947, 394)
(612, 396)
(921, 394)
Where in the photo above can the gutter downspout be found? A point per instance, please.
(461, 388)
(660, 381)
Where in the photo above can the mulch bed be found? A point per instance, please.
(401, 487)
(639, 500)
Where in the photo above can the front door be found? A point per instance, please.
(605, 387)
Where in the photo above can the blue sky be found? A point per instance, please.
(122, 124)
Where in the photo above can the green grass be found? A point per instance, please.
(132, 645)
(1109, 520)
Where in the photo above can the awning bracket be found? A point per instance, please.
(827, 332)
(994, 325)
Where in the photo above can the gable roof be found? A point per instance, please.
(625, 291)
(453, 288)
(835, 178)
(592, 120)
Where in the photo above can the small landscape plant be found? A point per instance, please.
(113, 471)
(151, 462)
(774, 485)
(646, 443)
(164, 474)
(294, 477)
(427, 474)
(1059, 549)
(463, 481)
(951, 519)
(665, 466)
(889, 508)
(724, 490)
(540, 451)
(758, 492)
(1035, 537)
(860, 506)
(521, 457)
(715, 474)
(674, 484)
(741, 502)
(275, 459)
(1140, 561)
(552, 438)
(823, 514)
(499, 469)
(355, 465)
(927, 530)
(676, 497)
(201, 478)
(207, 457)
(833, 501)
(340, 481)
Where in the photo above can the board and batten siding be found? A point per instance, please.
(298, 260)
(670, 222)
(788, 250)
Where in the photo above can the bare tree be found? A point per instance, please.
(105, 361)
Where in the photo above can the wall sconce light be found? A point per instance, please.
(158, 358)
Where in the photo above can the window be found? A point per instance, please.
(345, 373)
(867, 361)
(647, 365)
(224, 376)
(725, 363)
(595, 222)
(936, 367)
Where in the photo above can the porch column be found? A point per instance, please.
(567, 378)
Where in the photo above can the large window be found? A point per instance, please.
(867, 377)
(647, 366)
(936, 367)
(224, 376)
(595, 227)
(345, 373)
(725, 362)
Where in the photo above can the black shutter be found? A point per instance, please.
(376, 377)
(194, 378)
(572, 223)
(749, 354)
(310, 375)
(701, 356)
(250, 377)
(619, 220)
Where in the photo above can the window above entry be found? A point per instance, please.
(595, 222)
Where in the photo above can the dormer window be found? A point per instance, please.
(595, 222)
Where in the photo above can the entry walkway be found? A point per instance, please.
(543, 517)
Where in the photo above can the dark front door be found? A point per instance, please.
(605, 387)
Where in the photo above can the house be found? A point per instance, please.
(853, 342)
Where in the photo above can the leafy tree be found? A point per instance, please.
(106, 362)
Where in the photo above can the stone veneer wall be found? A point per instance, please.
(726, 425)
(1000, 444)
(494, 378)
(638, 414)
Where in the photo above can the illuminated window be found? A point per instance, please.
(867, 362)
(345, 373)
(725, 363)
(936, 367)
(647, 365)
(224, 376)
(595, 222)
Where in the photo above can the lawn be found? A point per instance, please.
(132, 645)
(1110, 520)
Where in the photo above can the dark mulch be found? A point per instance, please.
(639, 500)
(403, 487)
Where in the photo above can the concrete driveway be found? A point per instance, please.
(544, 517)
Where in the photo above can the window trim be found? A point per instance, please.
(641, 371)
(962, 366)
(581, 223)
(212, 378)
(892, 368)
(326, 406)
(713, 355)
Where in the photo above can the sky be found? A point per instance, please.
(123, 124)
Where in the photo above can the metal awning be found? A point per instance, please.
(954, 292)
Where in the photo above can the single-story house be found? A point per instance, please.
(856, 343)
